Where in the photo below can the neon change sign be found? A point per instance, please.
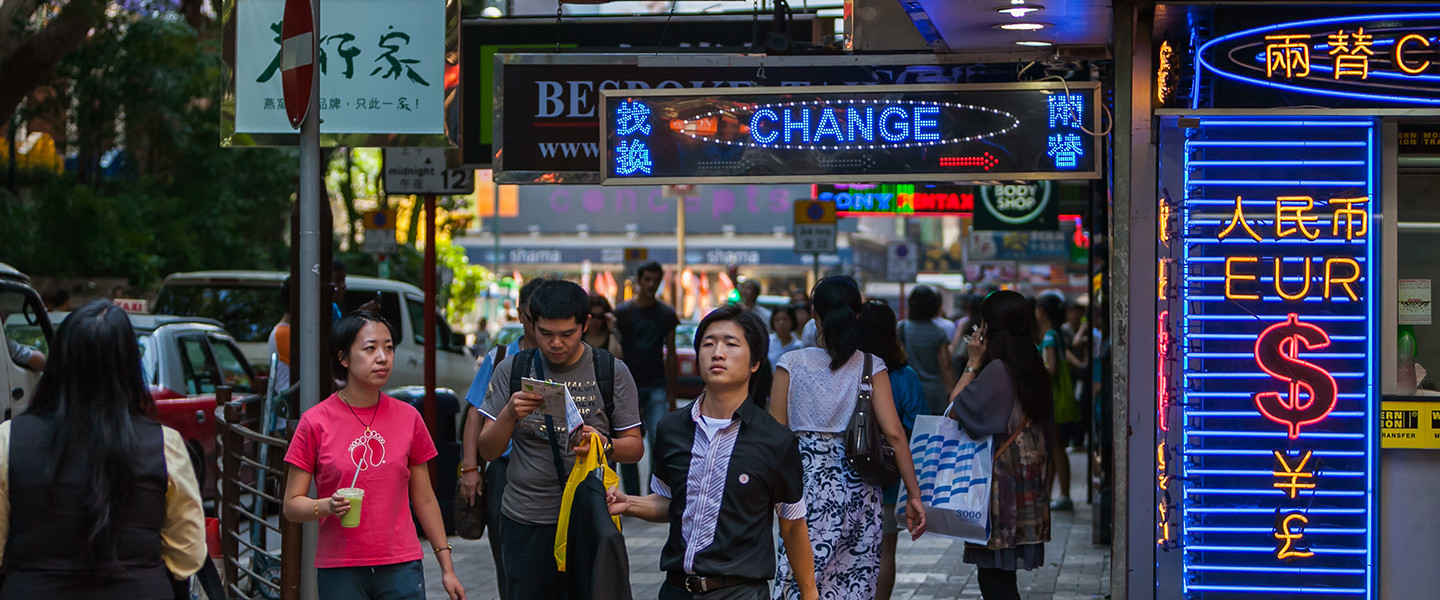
(883, 133)
(1267, 348)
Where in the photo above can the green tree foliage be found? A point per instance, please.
(176, 200)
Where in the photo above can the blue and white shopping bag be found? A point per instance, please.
(954, 475)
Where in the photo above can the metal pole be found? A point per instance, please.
(816, 267)
(428, 406)
(311, 296)
(1132, 310)
(679, 251)
(495, 234)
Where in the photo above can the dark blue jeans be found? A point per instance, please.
(400, 581)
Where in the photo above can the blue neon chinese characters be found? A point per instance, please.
(632, 124)
(1064, 144)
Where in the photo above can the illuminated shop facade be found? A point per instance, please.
(1296, 230)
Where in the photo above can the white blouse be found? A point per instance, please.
(822, 400)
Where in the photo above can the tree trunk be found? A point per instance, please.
(35, 58)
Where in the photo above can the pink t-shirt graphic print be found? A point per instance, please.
(332, 443)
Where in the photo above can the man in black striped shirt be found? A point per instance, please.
(722, 470)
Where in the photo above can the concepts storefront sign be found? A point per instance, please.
(1387, 59)
(884, 133)
(1268, 358)
(382, 70)
(1018, 206)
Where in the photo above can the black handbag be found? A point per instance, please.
(470, 518)
(865, 446)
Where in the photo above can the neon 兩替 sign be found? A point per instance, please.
(1267, 351)
(872, 134)
(1377, 59)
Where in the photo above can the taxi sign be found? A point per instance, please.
(133, 305)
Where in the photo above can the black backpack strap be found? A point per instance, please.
(536, 370)
(500, 353)
(605, 381)
(519, 368)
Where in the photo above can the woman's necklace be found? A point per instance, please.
(357, 415)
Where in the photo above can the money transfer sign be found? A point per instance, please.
(1268, 354)
(382, 67)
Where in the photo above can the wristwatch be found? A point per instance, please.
(968, 369)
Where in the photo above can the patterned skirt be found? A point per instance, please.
(1019, 506)
(843, 518)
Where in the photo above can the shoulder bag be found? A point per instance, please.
(865, 447)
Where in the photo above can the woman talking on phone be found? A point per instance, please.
(366, 453)
(1004, 392)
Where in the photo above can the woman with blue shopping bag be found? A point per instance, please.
(1004, 392)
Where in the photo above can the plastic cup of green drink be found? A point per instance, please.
(356, 496)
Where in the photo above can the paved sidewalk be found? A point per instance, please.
(927, 569)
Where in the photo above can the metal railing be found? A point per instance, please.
(248, 460)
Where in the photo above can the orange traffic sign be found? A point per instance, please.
(814, 212)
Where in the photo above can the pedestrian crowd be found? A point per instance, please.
(766, 445)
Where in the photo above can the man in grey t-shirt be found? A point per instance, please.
(560, 311)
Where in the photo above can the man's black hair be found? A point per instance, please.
(285, 294)
(528, 289)
(649, 266)
(924, 303)
(560, 300)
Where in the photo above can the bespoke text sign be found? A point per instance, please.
(1266, 404)
(1017, 131)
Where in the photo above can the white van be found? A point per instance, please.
(248, 303)
(25, 322)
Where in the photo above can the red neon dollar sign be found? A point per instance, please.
(1276, 352)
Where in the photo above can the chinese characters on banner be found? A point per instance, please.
(381, 67)
(1266, 351)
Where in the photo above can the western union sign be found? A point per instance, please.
(1405, 424)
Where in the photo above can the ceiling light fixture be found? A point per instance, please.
(1035, 43)
(1027, 26)
(1018, 8)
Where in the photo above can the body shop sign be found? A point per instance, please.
(889, 133)
(382, 67)
(1018, 206)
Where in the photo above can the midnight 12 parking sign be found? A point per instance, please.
(851, 134)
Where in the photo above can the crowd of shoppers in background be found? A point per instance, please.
(763, 441)
(1011, 367)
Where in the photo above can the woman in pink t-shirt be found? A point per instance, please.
(359, 429)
